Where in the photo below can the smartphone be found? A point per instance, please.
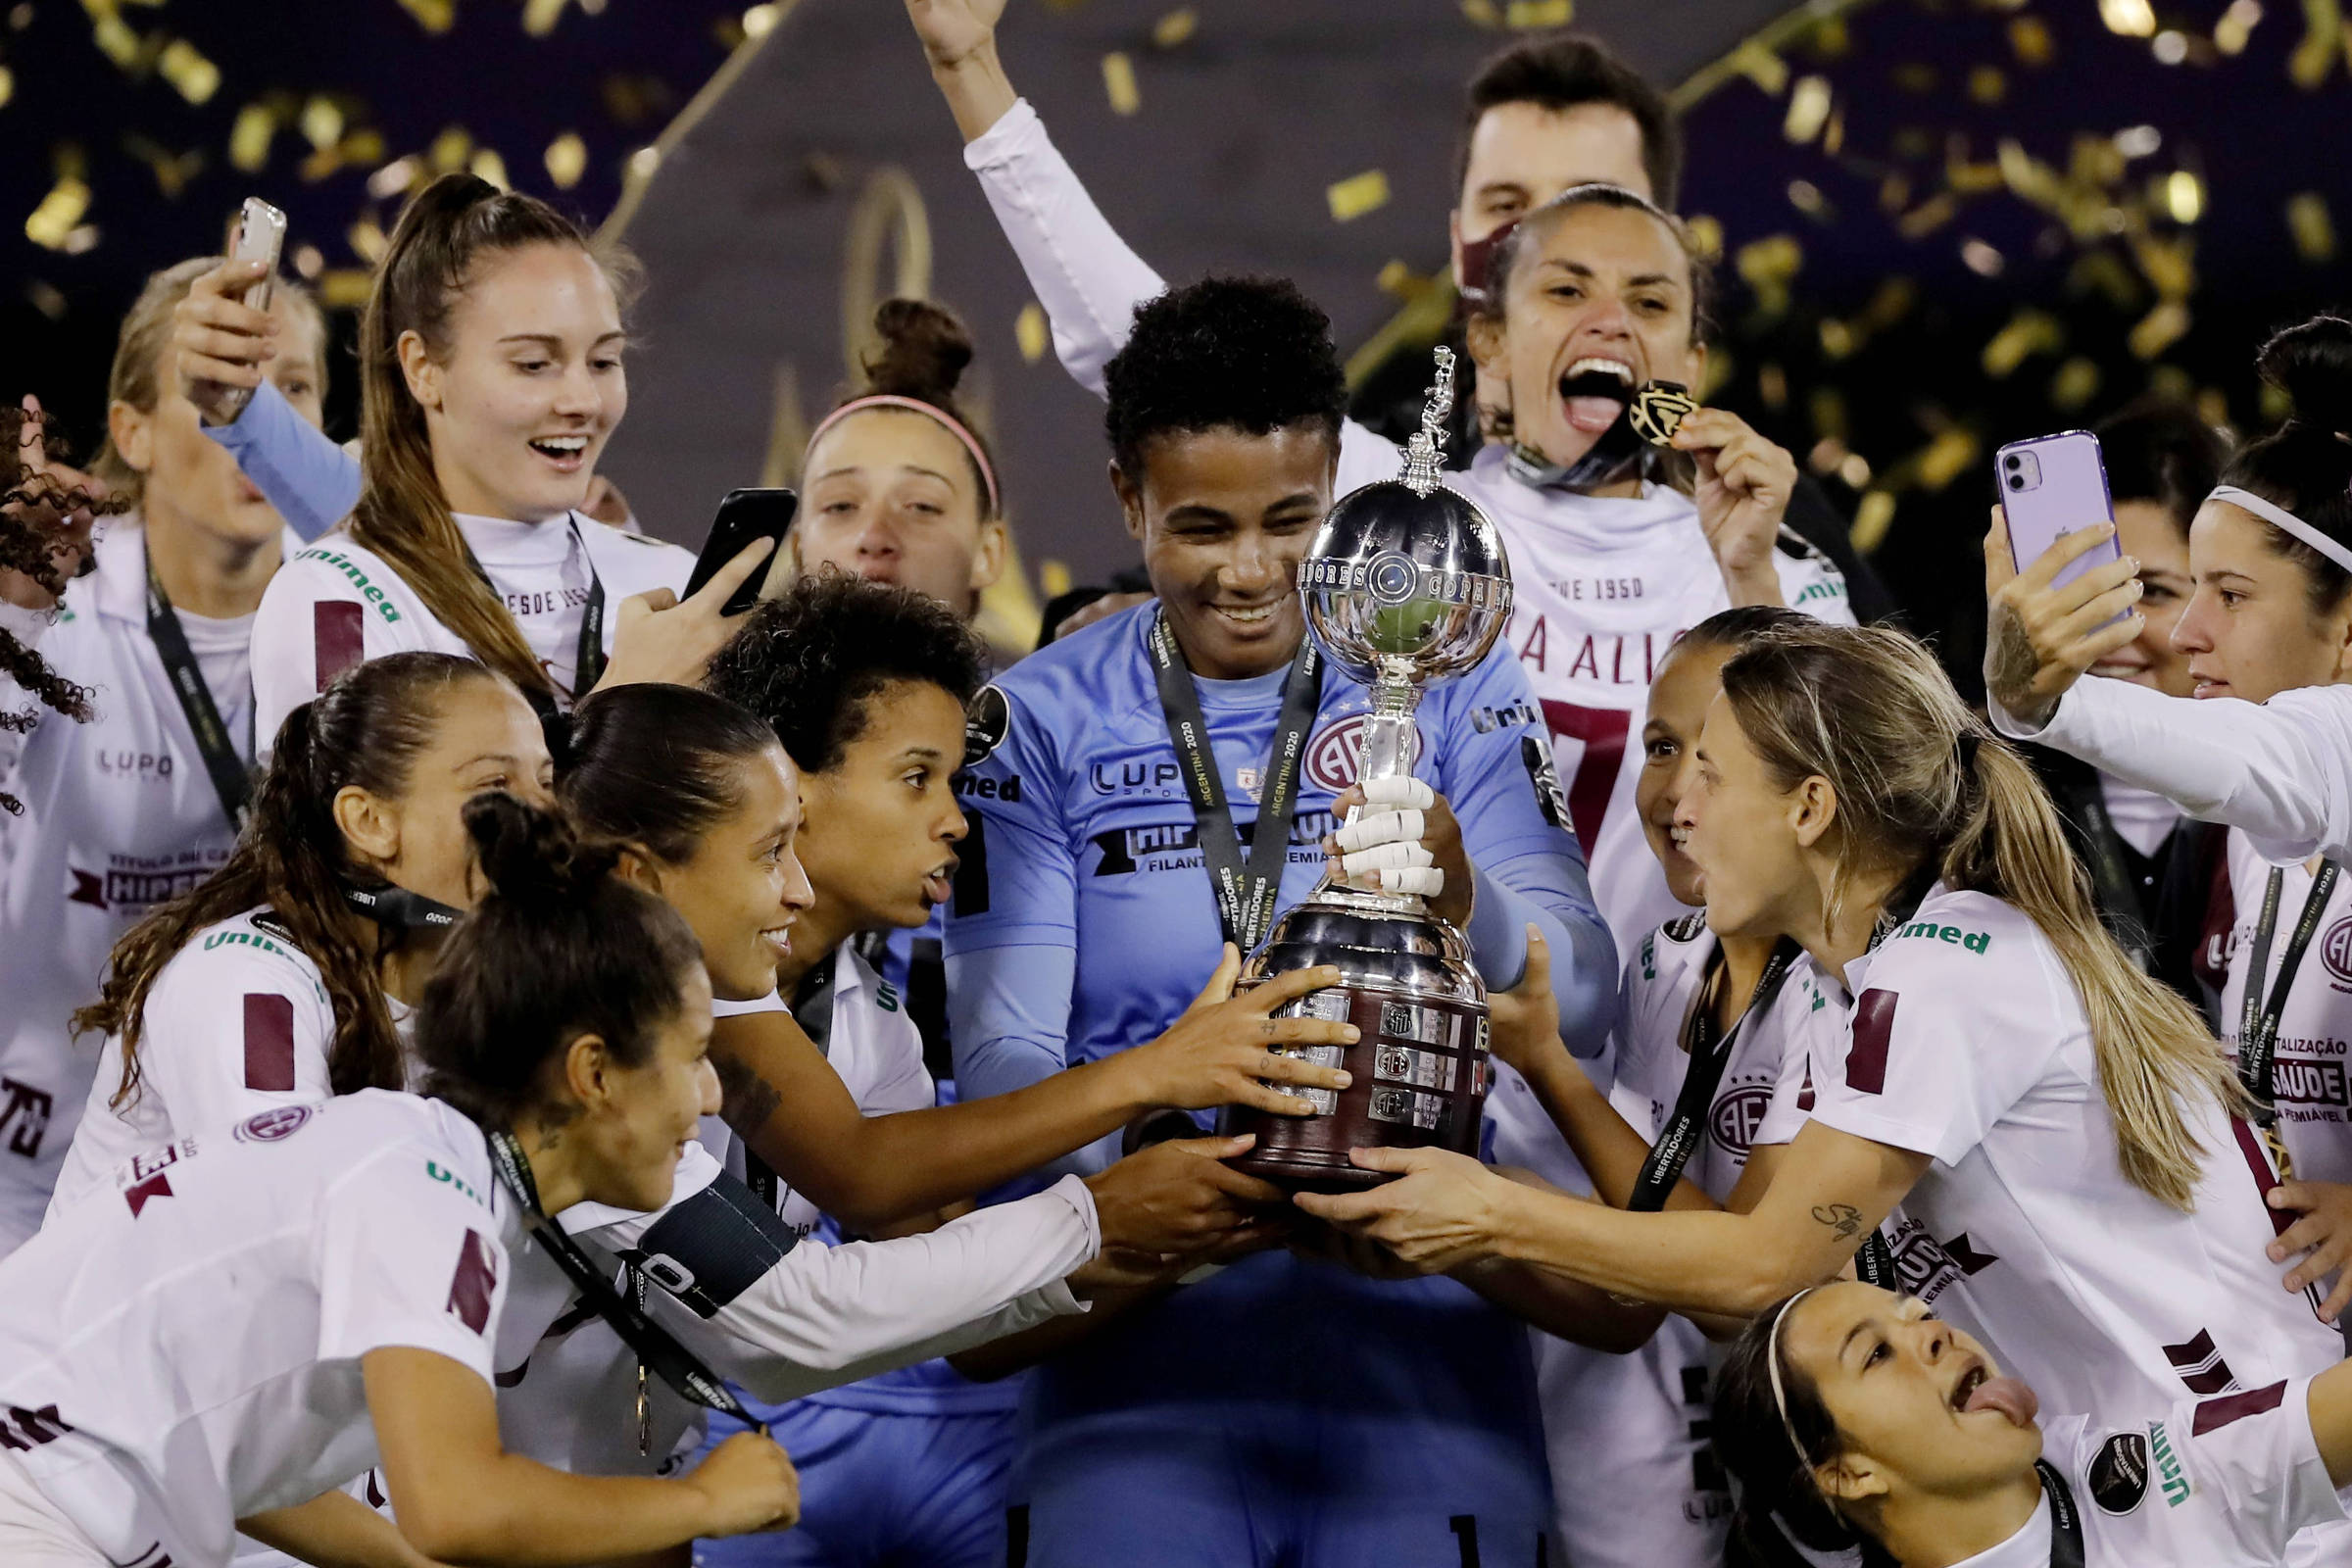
(260, 232)
(2054, 485)
(743, 516)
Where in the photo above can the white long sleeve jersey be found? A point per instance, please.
(1601, 587)
(120, 815)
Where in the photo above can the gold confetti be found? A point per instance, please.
(1351, 198)
(2212, 405)
(365, 146)
(1874, 514)
(1482, 12)
(2134, 19)
(322, 121)
(539, 16)
(1808, 109)
(2236, 26)
(309, 261)
(1987, 85)
(2076, 383)
(1706, 234)
(1772, 385)
(1118, 80)
(1929, 215)
(450, 150)
(115, 40)
(487, 164)
(59, 213)
(1833, 140)
(1806, 198)
(2159, 329)
(2031, 41)
(2184, 196)
(8, 86)
(193, 77)
(1053, 576)
(643, 161)
(2028, 332)
(2323, 28)
(1837, 340)
(1768, 266)
(1827, 407)
(1951, 454)
(1854, 470)
(394, 178)
(1030, 331)
(1890, 303)
(2168, 263)
(1175, 27)
(434, 16)
(1981, 259)
(759, 19)
(2170, 47)
(566, 159)
(2276, 403)
(1761, 65)
(345, 288)
(249, 138)
(1537, 14)
(2307, 220)
(367, 238)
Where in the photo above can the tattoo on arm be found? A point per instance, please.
(2012, 667)
(745, 1099)
(1842, 1219)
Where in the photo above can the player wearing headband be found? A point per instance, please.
(2269, 624)
(1852, 1417)
(1588, 298)
(246, 1319)
(2053, 1125)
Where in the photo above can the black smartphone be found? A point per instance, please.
(743, 516)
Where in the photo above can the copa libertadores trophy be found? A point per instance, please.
(1406, 583)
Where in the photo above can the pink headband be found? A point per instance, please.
(891, 399)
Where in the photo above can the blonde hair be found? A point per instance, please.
(135, 377)
(1920, 782)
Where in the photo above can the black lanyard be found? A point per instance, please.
(2258, 1025)
(588, 664)
(2065, 1520)
(1709, 1057)
(1246, 891)
(231, 773)
(1874, 1261)
(654, 1346)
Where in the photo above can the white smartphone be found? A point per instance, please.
(2050, 486)
(261, 233)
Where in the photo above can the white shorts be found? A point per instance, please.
(32, 1533)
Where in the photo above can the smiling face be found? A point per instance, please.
(2146, 532)
(1920, 1408)
(1742, 832)
(1224, 518)
(649, 1114)
(485, 737)
(2248, 630)
(742, 886)
(889, 494)
(1679, 697)
(520, 406)
(880, 839)
(1599, 303)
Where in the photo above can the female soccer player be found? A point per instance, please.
(2270, 624)
(2054, 1124)
(143, 801)
(1851, 1416)
(1595, 293)
(1284, 1411)
(249, 1317)
(490, 364)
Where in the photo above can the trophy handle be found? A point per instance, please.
(1385, 752)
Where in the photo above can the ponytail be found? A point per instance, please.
(401, 515)
(363, 731)
(1919, 780)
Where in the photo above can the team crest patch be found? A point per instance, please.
(272, 1126)
(1333, 756)
(1545, 775)
(2119, 1474)
(986, 723)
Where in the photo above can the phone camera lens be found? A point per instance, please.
(2013, 461)
(2017, 481)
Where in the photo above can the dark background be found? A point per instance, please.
(1854, 327)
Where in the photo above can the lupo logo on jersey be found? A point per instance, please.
(272, 1126)
(2335, 950)
(1332, 756)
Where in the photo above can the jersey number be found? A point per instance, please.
(1603, 731)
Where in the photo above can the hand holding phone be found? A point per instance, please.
(2051, 486)
(259, 236)
(2060, 594)
(743, 516)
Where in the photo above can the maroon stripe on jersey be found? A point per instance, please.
(268, 1041)
(2258, 1161)
(339, 636)
(1603, 731)
(2215, 1414)
(474, 1283)
(1874, 1032)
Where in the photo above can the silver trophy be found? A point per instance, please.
(1406, 583)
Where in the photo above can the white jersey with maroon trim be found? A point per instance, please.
(2315, 1028)
(336, 603)
(183, 1350)
(2220, 1483)
(119, 815)
(1967, 1041)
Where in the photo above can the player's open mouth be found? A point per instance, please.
(1595, 390)
(1979, 1388)
(779, 937)
(566, 452)
(939, 885)
(1251, 616)
(2207, 685)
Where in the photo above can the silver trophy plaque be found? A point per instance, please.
(1406, 583)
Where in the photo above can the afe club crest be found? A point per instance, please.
(1332, 756)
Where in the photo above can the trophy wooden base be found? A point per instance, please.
(1421, 1073)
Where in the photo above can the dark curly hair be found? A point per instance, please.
(1249, 353)
(2160, 450)
(811, 660)
(25, 547)
(924, 352)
